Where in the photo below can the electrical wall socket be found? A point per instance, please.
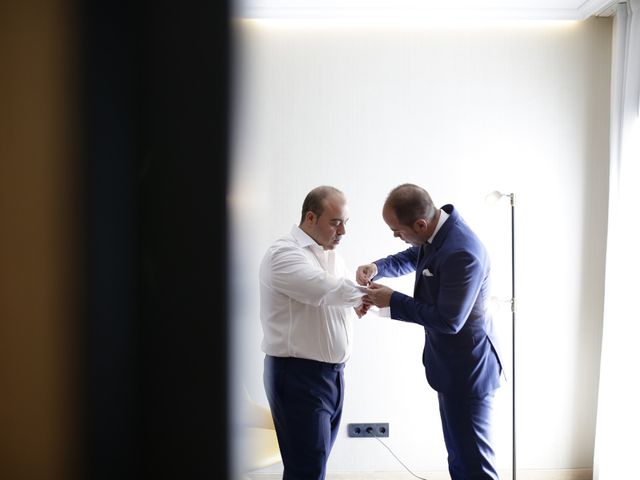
(361, 430)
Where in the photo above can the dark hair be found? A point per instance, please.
(410, 203)
(314, 201)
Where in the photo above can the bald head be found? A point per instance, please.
(409, 203)
(315, 201)
(324, 216)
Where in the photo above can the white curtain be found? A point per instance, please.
(617, 443)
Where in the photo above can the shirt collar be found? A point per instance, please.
(302, 238)
(305, 241)
(443, 218)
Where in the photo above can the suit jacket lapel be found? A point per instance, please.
(422, 263)
(438, 240)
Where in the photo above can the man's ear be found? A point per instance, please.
(421, 225)
(309, 216)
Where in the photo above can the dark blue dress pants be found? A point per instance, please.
(306, 398)
(466, 424)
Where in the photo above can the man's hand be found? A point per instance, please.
(378, 295)
(362, 309)
(365, 273)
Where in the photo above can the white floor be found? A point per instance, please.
(581, 474)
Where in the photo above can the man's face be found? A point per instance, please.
(409, 234)
(328, 228)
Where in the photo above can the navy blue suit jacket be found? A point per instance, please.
(450, 297)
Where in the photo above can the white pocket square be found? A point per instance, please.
(427, 273)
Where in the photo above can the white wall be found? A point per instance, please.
(461, 111)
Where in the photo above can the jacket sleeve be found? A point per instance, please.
(461, 277)
(399, 264)
(290, 273)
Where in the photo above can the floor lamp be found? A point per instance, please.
(492, 198)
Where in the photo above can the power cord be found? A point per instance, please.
(372, 432)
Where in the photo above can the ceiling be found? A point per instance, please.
(423, 9)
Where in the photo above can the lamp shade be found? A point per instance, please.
(493, 197)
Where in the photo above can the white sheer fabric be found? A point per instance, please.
(618, 421)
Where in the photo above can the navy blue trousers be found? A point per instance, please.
(466, 424)
(306, 399)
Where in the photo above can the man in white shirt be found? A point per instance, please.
(306, 309)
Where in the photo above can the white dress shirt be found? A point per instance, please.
(443, 218)
(306, 301)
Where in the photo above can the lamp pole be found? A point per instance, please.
(492, 198)
(512, 198)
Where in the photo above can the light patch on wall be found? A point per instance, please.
(444, 22)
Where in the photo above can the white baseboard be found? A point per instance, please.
(565, 474)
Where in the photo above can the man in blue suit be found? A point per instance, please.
(450, 299)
